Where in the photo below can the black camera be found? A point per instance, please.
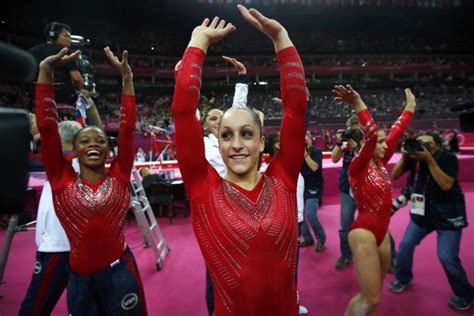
(86, 68)
(402, 199)
(84, 64)
(414, 145)
(352, 133)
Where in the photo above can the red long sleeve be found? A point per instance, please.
(396, 132)
(249, 245)
(189, 141)
(293, 95)
(369, 130)
(47, 120)
(122, 165)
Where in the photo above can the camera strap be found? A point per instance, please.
(417, 178)
(417, 175)
(418, 199)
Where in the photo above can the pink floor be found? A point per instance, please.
(179, 288)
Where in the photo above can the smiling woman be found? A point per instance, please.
(91, 146)
(92, 205)
(245, 223)
(240, 143)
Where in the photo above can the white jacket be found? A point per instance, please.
(50, 235)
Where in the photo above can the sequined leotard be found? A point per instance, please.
(92, 214)
(248, 238)
(369, 180)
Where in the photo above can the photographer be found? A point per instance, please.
(312, 173)
(437, 204)
(58, 36)
(344, 149)
(70, 87)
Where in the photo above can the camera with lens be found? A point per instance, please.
(402, 199)
(414, 145)
(84, 64)
(351, 133)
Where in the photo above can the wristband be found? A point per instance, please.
(243, 79)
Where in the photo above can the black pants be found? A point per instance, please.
(393, 249)
(116, 290)
(50, 278)
(209, 293)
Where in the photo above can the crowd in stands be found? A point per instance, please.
(385, 103)
(308, 60)
(154, 109)
(319, 43)
(167, 44)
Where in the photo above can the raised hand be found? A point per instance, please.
(122, 66)
(241, 70)
(410, 97)
(210, 32)
(349, 95)
(55, 61)
(345, 94)
(410, 100)
(270, 27)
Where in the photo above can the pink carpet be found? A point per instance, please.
(179, 288)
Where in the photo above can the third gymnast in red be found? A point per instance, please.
(246, 222)
(372, 190)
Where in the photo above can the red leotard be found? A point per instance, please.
(248, 238)
(369, 180)
(92, 214)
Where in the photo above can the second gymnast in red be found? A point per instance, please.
(371, 187)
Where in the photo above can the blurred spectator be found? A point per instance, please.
(140, 156)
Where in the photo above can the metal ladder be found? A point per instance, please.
(146, 221)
